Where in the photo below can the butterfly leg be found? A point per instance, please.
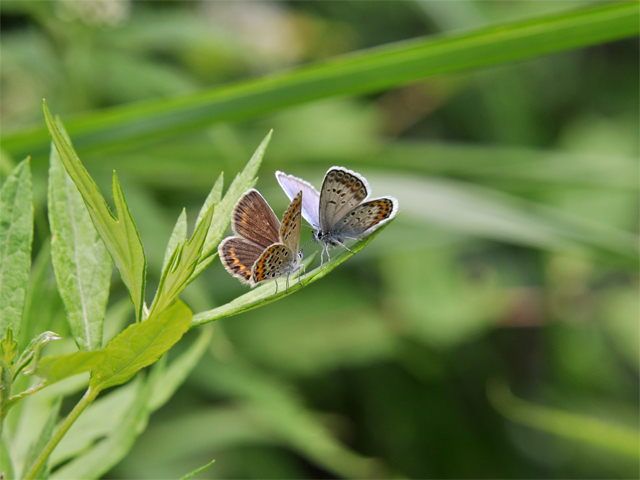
(276, 282)
(302, 270)
(344, 246)
(325, 249)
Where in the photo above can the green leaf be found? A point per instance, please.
(214, 197)
(266, 293)
(44, 437)
(197, 470)
(118, 233)
(80, 260)
(43, 302)
(178, 236)
(617, 438)
(275, 410)
(140, 345)
(506, 165)
(16, 234)
(363, 72)
(176, 373)
(222, 214)
(58, 367)
(179, 269)
(31, 354)
(95, 462)
(8, 348)
(484, 212)
(6, 462)
(104, 416)
(98, 421)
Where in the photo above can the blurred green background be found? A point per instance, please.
(513, 266)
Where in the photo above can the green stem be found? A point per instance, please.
(84, 402)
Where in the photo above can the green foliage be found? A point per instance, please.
(119, 232)
(514, 254)
(366, 72)
(80, 260)
(618, 438)
(44, 437)
(16, 233)
(197, 470)
(140, 345)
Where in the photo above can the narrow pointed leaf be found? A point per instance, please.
(80, 260)
(197, 470)
(178, 272)
(16, 234)
(140, 345)
(119, 234)
(266, 293)
(130, 249)
(214, 197)
(31, 354)
(222, 215)
(58, 367)
(178, 235)
(617, 438)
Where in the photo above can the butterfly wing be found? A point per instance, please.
(276, 261)
(238, 255)
(292, 223)
(365, 218)
(310, 198)
(253, 219)
(342, 191)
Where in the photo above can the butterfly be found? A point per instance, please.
(264, 248)
(339, 211)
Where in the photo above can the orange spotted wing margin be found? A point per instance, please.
(366, 217)
(238, 256)
(257, 228)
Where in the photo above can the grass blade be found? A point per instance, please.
(222, 214)
(617, 438)
(178, 236)
(179, 269)
(363, 72)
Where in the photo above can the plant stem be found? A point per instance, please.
(84, 402)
